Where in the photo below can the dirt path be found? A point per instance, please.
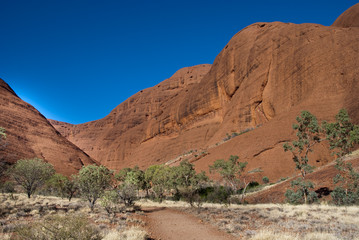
(170, 224)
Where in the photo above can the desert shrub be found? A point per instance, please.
(8, 187)
(282, 179)
(127, 194)
(160, 178)
(192, 196)
(110, 201)
(253, 184)
(134, 176)
(59, 228)
(301, 193)
(294, 197)
(217, 194)
(342, 197)
(347, 191)
(92, 182)
(62, 186)
(265, 180)
(187, 182)
(230, 171)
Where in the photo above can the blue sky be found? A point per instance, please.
(76, 60)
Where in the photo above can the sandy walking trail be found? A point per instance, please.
(171, 224)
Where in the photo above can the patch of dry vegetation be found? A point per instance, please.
(42, 217)
(289, 222)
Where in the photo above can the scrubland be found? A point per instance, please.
(260, 221)
(42, 217)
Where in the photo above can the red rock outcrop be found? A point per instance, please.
(261, 80)
(350, 18)
(143, 129)
(30, 135)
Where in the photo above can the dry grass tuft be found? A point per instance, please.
(132, 233)
(271, 235)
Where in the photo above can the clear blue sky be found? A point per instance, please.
(76, 60)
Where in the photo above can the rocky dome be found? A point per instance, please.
(350, 18)
(262, 79)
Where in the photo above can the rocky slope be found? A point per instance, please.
(30, 135)
(261, 80)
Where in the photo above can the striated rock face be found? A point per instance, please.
(144, 129)
(350, 18)
(30, 135)
(261, 80)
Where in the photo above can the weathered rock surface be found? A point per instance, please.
(142, 130)
(350, 18)
(261, 80)
(30, 135)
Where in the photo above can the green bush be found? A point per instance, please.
(110, 201)
(343, 198)
(265, 180)
(59, 228)
(8, 187)
(301, 192)
(92, 181)
(216, 194)
(127, 194)
(297, 197)
(253, 184)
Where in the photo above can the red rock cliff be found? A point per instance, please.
(30, 135)
(262, 79)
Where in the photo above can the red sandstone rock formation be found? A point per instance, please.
(349, 18)
(261, 80)
(30, 135)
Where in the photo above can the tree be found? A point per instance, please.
(132, 180)
(92, 182)
(64, 186)
(343, 135)
(134, 176)
(347, 193)
(109, 200)
(127, 193)
(188, 182)
(308, 134)
(122, 174)
(31, 174)
(230, 171)
(159, 177)
(301, 193)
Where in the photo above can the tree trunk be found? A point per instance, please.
(92, 205)
(244, 191)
